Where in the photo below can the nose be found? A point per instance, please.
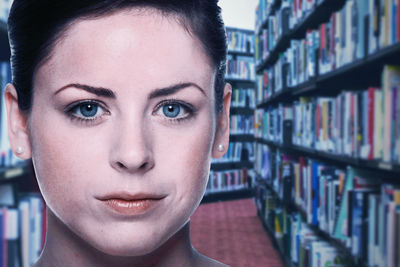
(131, 149)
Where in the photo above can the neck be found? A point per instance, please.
(64, 248)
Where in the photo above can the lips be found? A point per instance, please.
(131, 204)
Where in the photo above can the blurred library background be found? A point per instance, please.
(312, 173)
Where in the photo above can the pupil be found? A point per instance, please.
(89, 110)
(171, 110)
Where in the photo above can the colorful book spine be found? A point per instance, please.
(228, 180)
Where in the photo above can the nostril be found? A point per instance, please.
(141, 167)
(120, 165)
(144, 165)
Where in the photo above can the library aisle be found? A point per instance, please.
(232, 233)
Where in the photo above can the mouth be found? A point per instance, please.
(128, 204)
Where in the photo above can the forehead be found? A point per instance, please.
(143, 46)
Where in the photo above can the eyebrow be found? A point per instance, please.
(173, 89)
(99, 91)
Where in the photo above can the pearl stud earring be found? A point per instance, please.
(221, 147)
(19, 150)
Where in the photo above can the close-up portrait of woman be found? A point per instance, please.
(121, 105)
(191, 133)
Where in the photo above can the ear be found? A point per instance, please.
(17, 124)
(222, 131)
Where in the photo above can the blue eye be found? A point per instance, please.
(171, 110)
(86, 111)
(175, 110)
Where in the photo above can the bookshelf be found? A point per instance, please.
(229, 176)
(21, 206)
(318, 14)
(12, 174)
(389, 170)
(326, 130)
(227, 195)
(264, 212)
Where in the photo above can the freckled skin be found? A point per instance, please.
(131, 145)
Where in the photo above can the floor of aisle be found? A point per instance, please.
(232, 233)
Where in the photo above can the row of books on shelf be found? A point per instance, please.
(263, 9)
(374, 24)
(237, 152)
(240, 67)
(301, 58)
(352, 207)
(276, 25)
(295, 66)
(240, 41)
(7, 157)
(299, 243)
(229, 180)
(361, 124)
(243, 98)
(275, 124)
(22, 229)
(361, 27)
(299, 10)
(241, 124)
(272, 80)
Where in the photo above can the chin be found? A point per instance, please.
(126, 244)
(128, 249)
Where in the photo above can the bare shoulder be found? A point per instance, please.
(214, 263)
(206, 261)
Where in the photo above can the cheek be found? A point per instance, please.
(186, 156)
(62, 162)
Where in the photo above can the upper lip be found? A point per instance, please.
(131, 196)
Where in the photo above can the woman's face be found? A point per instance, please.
(124, 109)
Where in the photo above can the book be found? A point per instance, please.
(359, 225)
(11, 237)
(7, 195)
(240, 67)
(241, 124)
(390, 81)
(373, 202)
(31, 212)
(240, 40)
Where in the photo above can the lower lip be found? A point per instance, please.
(131, 207)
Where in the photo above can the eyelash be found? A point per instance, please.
(70, 110)
(189, 109)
